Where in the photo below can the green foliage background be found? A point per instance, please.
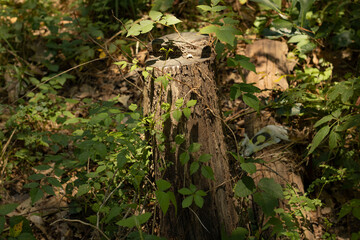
(47, 45)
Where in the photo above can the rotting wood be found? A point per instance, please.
(193, 78)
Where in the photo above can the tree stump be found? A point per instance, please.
(282, 164)
(192, 78)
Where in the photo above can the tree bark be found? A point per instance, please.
(192, 77)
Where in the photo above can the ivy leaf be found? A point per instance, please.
(244, 187)
(187, 112)
(199, 200)
(134, 221)
(319, 137)
(194, 167)
(207, 172)
(205, 157)
(163, 199)
(184, 158)
(177, 114)
(194, 147)
(187, 201)
(163, 185)
(191, 103)
(179, 102)
(185, 191)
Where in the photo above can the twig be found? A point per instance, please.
(59, 74)
(84, 223)
(199, 220)
(2, 159)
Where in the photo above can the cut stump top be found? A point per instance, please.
(176, 50)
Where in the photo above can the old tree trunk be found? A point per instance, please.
(185, 61)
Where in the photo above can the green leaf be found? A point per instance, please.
(133, 107)
(171, 20)
(7, 208)
(134, 30)
(194, 147)
(194, 167)
(134, 221)
(184, 158)
(101, 149)
(199, 200)
(187, 201)
(53, 181)
(207, 172)
(282, 24)
(2, 223)
(177, 114)
(305, 6)
(36, 177)
(334, 139)
(191, 103)
(352, 121)
(204, 8)
(227, 34)
(155, 15)
(298, 38)
(48, 189)
(121, 160)
(146, 26)
(179, 102)
(239, 233)
(185, 191)
(36, 194)
(164, 200)
(324, 120)
(31, 185)
(345, 210)
(272, 188)
(356, 212)
(217, 8)
(42, 167)
(244, 187)
(209, 29)
(83, 189)
(268, 3)
(163, 185)
(267, 202)
(205, 157)
(248, 167)
(319, 137)
(252, 101)
(179, 139)
(162, 5)
(187, 112)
